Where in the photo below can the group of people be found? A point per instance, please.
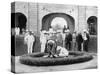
(59, 41)
(52, 43)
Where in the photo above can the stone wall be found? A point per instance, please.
(36, 11)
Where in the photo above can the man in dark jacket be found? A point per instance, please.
(68, 39)
(85, 41)
(79, 41)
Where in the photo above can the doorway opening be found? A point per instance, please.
(58, 18)
(92, 25)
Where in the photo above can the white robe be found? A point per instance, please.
(63, 51)
(29, 40)
(43, 42)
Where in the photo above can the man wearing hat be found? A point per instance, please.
(68, 39)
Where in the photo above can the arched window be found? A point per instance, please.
(92, 25)
(18, 20)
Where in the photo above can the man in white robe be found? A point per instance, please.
(29, 40)
(43, 40)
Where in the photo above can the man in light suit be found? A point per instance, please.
(43, 40)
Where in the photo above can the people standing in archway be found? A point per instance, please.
(86, 38)
(29, 40)
(79, 41)
(68, 39)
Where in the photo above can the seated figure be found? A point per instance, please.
(51, 48)
(61, 51)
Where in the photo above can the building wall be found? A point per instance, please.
(36, 11)
(91, 11)
(33, 17)
(45, 9)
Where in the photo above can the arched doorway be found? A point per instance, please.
(17, 43)
(18, 20)
(47, 20)
(92, 25)
(58, 23)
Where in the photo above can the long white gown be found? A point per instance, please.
(43, 42)
(29, 39)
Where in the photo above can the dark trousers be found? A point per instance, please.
(85, 46)
(51, 49)
(79, 46)
(68, 45)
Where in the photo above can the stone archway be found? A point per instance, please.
(18, 20)
(47, 19)
(58, 23)
(92, 25)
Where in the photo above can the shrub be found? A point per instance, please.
(36, 59)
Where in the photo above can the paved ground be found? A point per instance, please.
(21, 68)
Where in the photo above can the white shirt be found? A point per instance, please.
(29, 38)
(84, 37)
(42, 38)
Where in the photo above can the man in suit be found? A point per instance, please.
(68, 39)
(79, 41)
(86, 38)
(59, 38)
(74, 41)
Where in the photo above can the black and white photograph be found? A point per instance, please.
(48, 37)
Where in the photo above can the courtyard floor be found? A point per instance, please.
(21, 68)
